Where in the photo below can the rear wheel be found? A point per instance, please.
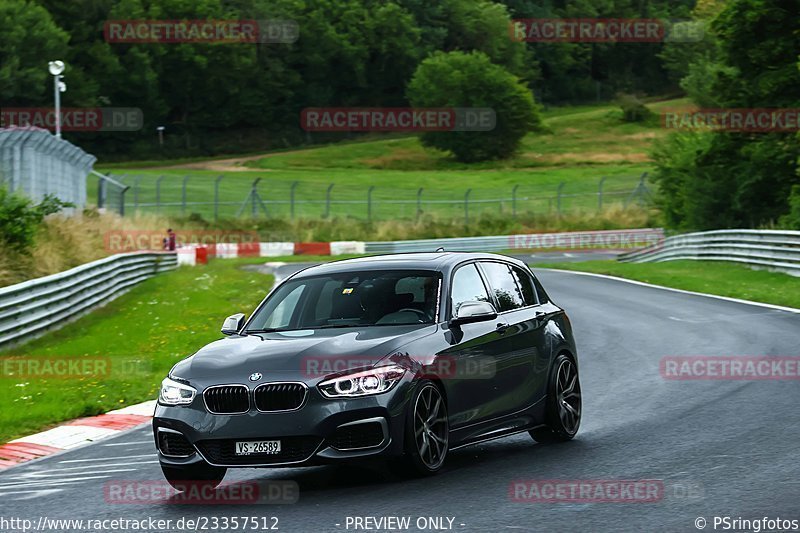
(564, 404)
(202, 474)
(427, 432)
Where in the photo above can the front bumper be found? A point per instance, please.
(310, 435)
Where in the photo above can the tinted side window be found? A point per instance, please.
(467, 287)
(503, 285)
(526, 286)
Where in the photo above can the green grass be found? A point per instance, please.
(579, 146)
(394, 196)
(722, 279)
(142, 333)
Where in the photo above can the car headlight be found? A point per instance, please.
(174, 393)
(364, 383)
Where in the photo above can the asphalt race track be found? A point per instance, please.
(722, 448)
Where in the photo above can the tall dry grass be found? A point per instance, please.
(63, 242)
(433, 227)
(66, 242)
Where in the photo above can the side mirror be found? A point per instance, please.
(233, 324)
(476, 311)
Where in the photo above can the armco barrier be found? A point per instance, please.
(577, 240)
(775, 250)
(34, 306)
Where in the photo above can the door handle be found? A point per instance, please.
(503, 326)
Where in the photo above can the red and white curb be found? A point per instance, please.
(75, 433)
(193, 254)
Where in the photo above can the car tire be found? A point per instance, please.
(564, 406)
(427, 434)
(197, 474)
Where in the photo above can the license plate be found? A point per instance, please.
(265, 447)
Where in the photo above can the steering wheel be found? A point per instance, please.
(422, 314)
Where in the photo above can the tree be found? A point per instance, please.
(28, 39)
(739, 179)
(459, 80)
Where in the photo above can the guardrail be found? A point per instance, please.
(772, 249)
(31, 307)
(574, 240)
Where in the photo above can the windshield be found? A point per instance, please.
(373, 298)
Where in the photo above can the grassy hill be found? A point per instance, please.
(580, 146)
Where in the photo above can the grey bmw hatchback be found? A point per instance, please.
(400, 357)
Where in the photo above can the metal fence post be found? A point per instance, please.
(158, 193)
(101, 192)
(466, 207)
(600, 194)
(254, 197)
(136, 192)
(291, 198)
(216, 196)
(419, 203)
(514, 201)
(328, 200)
(122, 201)
(558, 198)
(369, 202)
(183, 195)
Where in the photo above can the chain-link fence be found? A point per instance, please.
(35, 163)
(237, 196)
(110, 193)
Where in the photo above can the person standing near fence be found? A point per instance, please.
(169, 240)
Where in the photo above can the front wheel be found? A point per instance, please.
(197, 474)
(564, 405)
(427, 430)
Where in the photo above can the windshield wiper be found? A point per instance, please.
(271, 330)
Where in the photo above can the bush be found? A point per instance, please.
(20, 218)
(633, 109)
(458, 79)
(723, 180)
(791, 220)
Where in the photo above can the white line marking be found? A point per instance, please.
(45, 482)
(137, 443)
(671, 289)
(150, 455)
(73, 469)
(33, 493)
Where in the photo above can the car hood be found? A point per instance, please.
(307, 355)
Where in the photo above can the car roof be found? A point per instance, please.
(436, 261)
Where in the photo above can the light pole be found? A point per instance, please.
(56, 68)
(160, 130)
